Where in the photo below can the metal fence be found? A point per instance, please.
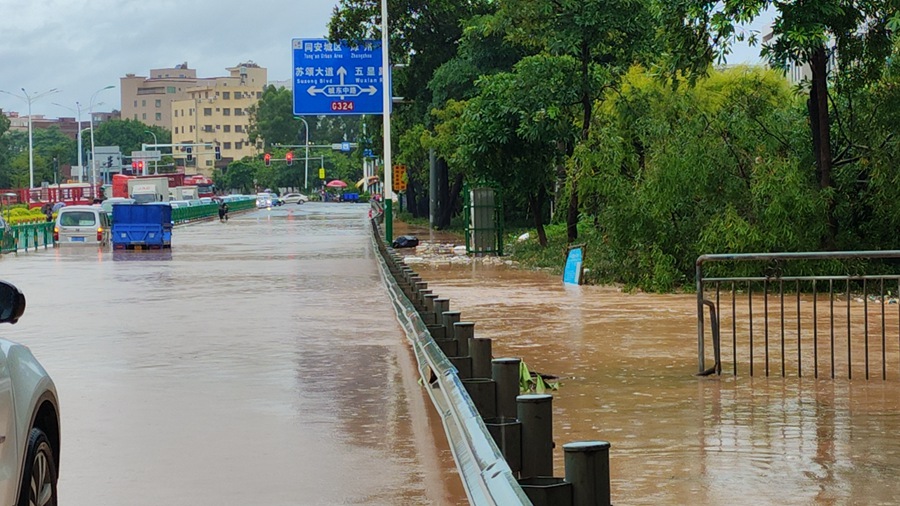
(784, 314)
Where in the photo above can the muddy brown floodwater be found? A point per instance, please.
(627, 365)
(259, 362)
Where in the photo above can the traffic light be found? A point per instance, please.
(140, 165)
(289, 157)
(268, 159)
(218, 153)
(133, 166)
(190, 153)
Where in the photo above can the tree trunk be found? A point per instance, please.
(537, 207)
(820, 125)
(412, 199)
(452, 203)
(587, 105)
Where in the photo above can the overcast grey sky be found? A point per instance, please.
(81, 46)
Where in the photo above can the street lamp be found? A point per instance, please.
(93, 154)
(77, 111)
(386, 116)
(155, 142)
(29, 99)
(306, 163)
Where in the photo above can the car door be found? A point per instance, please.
(9, 453)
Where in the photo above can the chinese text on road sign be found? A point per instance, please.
(336, 78)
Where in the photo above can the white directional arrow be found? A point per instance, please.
(342, 72)
(371, 89)
(313, 90)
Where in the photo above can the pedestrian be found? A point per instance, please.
(223, 211)
(48, 212)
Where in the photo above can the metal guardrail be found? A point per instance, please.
(486, 476)
(26, 236)
(780, 320)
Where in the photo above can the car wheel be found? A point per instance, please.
(39, 474)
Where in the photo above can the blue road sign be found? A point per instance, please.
(335, 78)
(345, 147)
(573, 269)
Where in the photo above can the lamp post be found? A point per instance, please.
(306, 163)
(77, 111)
(29, 99)
(93, 154)
(386, 115)
(155, 142)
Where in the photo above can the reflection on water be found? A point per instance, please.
(627, 364)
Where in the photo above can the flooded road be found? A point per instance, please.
(627, 365)
(258, 362)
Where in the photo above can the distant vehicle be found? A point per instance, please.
(29, 414)
(276, 200)
(108, 204)
(76, 225)
(294, 198)
(151, 189)
(175, 204)
(263, 200)
(206, 200)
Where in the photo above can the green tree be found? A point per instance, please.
(604, 36)
(858, 35)
(272, 118)
(129, 135)
(239, 175)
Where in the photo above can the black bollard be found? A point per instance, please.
(587, 469)
(480, 351)
(535, 411)
(464, 331)
(505, 372)
(448, 319)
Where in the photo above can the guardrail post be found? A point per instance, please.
(587, 469)
(535, 411)
(484, 395)
(463, 332)
(505, 372)
(480, 351)
(449, 319)
(441, 306)
(428, 314)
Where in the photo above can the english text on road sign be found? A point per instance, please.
(153, 156)
(337, 78)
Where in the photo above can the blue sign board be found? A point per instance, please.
(336, 78)
(345, 147)
(572, 273)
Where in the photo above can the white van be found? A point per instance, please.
(82, 225)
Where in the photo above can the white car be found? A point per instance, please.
(295, 198)
(29, 418)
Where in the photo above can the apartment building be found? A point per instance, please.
(215, 112)
(149, 99)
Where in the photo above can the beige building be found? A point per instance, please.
(149, 99)
(215, 112)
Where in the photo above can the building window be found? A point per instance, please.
(191, 112)
(207, 111)
(226, 145)
(159, 116)
(170, 89)
(158, 103)
(238, 111)
(258, 94)
(226, 128)
(192, 128)
(135, 104)
(207, 128)
(143, 103)
(238, 145)
(209, 163)
(226, 112)
(144, 116)
(239, 128)
(226, 95)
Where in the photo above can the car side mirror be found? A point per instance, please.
(12, 303)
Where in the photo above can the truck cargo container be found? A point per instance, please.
(147, 190)
(138, 226)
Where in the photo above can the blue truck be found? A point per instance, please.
(140, 226)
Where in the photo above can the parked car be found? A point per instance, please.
(29, 416)
(294, 198)
(82, 225)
